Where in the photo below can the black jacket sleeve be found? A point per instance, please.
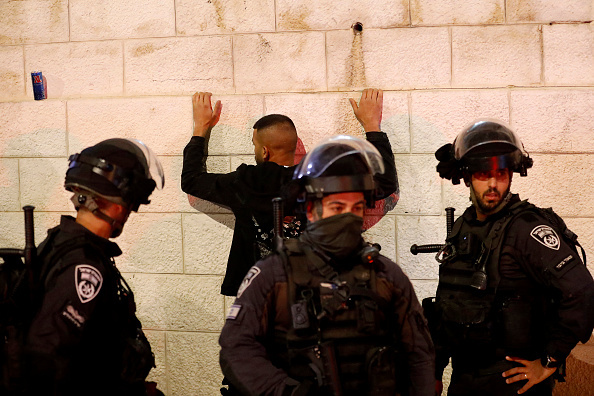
(415, 337)
(387, 183)
(197, 181)
(545, 256)
(244, 359)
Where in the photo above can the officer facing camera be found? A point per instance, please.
(514, 297)
(85, 337)
(328, 314)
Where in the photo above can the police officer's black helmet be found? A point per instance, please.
(339, 164)
(123, 171)
(483, 145)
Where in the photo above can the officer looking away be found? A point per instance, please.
(85, 337)
(248, 191)
(328, 314)
(514, 297)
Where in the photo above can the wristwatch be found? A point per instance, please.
(548, 362)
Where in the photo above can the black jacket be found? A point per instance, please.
(77, 339)
(543, 284)
(262, 310)
(248, 192)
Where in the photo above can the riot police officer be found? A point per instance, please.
(329, 315)
(514, 297)
(85, 337)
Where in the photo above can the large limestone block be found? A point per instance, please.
(207, 241)
(318, 116)
(457, 12)
(420, 188)
(33, 21)
(193, 364)
(164, 124)
(388, 58)
(178, 302)
(569, 54)
(42, 183)
(458, 196)
(560, 181)
(384, 233)
(224, 16)
(330, 15)
(496, 56)
(279, 62)
(420, 230)
(439, 116)
(234, 131)
(548, 11)
(13, 223)
(583, 228)
(171, 198)
(151, 243)
(9, 184)
(77, 69)
(554, 120)
(12, 73)
(159, 347)
(114, 19)
(33, 129)
(178, 65)
(425, 288)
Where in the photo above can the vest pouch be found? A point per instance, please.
(138, 359)
(466, 321)
(382, 371)
(515, 319)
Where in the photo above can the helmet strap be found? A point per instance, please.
(88, 201)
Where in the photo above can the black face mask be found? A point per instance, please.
(337, 235)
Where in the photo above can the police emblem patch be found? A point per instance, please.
(88, 282)
(249, 277)
(546, 236)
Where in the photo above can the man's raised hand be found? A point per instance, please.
(205, 118)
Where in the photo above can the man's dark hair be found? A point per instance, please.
(273, 119)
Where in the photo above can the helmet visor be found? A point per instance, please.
(154, 168)
(332, 149)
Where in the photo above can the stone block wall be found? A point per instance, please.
(128, 69)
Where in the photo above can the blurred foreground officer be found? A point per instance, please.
(328, 315)
(85, 338)
(514, 297)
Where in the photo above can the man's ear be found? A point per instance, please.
(265, 154)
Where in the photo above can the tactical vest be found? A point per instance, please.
(481, 315)
(343, 335)
(136, 357)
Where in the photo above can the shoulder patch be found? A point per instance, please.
(233, 312)
(546, 236)
(88, 282)
(249, 277)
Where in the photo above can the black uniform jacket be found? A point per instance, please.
(248, 192)
(74, 345)
(534, 251)
(247, 330)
